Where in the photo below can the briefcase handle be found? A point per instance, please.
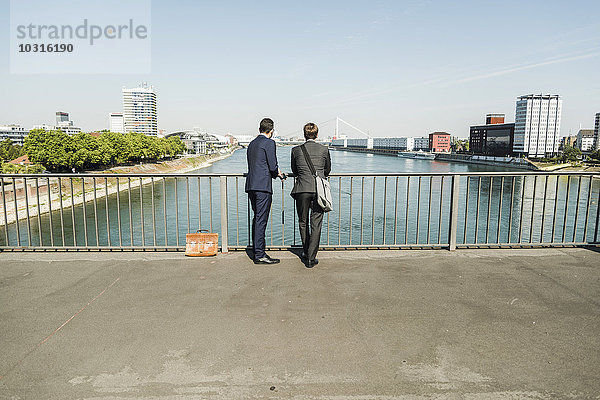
(202, 230)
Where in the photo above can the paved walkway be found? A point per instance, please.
(476, 324)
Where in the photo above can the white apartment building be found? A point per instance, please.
(65, 126)
(68, 128)
(597, 132)
(537, 125)
(340, 142)
(358, 143)
(421, 143)
(395, 143)
(115, 123)
(139, 110)
(585, 140)
(198, 142)
(391, 143)
(63, 123)
(14, 132)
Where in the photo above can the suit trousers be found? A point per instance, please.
(261, 206)
(310, 233)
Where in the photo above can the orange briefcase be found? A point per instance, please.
(201, 244)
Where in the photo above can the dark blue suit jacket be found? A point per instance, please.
(262, 164)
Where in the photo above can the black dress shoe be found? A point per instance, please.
(272, 259)
(310, 264)
(266, 260)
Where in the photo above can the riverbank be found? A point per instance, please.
(505, 162)
(76, 191)
(566, 167)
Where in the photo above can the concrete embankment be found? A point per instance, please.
(506, 162)
(370, 151)
(72, 189)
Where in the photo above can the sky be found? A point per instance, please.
(391, 68)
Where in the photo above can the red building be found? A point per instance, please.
(439, 142)
(492, 119)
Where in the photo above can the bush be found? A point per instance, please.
(22, 169)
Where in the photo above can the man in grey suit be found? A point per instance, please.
(305, 191)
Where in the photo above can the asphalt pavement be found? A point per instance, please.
(473, 324)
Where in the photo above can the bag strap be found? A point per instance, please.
(308, 160)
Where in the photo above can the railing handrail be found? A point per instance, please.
(333, 175)
(444, 205)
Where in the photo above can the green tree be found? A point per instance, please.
(56, 150)
(9, 151)
(89, 152)
(570, 154)
(137, 143)
(175, 146)
(116, 146)
(52, 149)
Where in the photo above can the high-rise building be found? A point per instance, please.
(139, 110)
(439, 142)
(115, 121)
(597, 132)
(491, 119)
(537, 125)
(61, 117)
(64, 124)
(585, 140)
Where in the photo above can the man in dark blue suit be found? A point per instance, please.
(262, 169)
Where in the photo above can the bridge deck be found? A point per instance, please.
(361, 325)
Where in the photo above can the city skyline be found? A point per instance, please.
(391, 68)
(116, 122)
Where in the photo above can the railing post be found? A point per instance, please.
(454, 212)
(224, 247)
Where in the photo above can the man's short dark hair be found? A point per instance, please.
(311, 131)
(266, 125)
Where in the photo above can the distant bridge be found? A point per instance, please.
(336, 133)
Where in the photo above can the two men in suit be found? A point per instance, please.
(310, 214)
(262, 169)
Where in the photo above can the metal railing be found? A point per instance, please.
(371, 211)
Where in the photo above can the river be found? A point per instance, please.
(367, 211)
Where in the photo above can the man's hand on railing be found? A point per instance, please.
(281, 175)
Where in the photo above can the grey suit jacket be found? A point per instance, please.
(319, 154)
